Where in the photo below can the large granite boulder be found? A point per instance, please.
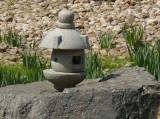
(128, 93)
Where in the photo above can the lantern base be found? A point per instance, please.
(63, 80)
(60, 89)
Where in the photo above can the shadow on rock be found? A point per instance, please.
(111, 76)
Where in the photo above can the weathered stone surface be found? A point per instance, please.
(3, 47)
(32, 18)
(65, 36)
(128, 93)
(67, 44)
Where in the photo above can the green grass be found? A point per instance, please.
(133, 36)
(114, 62)
(12, 2)
(33, 64)
(10, 75)
(107, 40)
(143, 53)
(93, 66)
(33, 61)
(140, 52)
(32, 68)
(12, 38)
(30, 71)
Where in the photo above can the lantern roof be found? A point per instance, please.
(65, 36)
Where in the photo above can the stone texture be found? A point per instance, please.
(65, 36)
(128, 93)
(3, 47)
(32, 18)
(13, 51)
(63, 80)
(64, 39)
(61, 65)
(68, 44)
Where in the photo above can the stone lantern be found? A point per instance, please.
(68, 56)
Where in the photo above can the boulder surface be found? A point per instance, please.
(127, 93)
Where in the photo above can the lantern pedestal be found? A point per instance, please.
(63, 80)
